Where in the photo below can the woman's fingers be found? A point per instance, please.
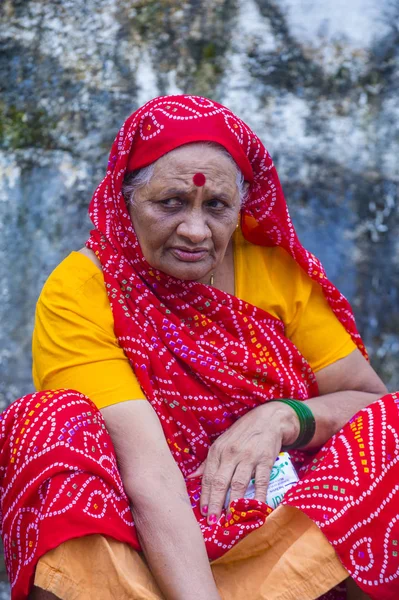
(222, 474)
(219, 487)
(262, 478)
(215, 483)
(215, 486)
(240, 481)
(211, 466)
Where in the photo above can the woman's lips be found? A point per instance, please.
(189, 255)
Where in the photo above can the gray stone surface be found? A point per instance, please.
(4, 591)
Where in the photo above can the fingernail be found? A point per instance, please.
(212, 519)
(205, 509)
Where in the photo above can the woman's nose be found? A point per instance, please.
(194, 228)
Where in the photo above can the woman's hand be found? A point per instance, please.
(249, 447)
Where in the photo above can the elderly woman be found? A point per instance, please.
(207, 339)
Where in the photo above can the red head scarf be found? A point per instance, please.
(202, 357)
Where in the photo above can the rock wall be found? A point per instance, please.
(318, 81)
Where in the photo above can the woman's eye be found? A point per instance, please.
(215, 203)
(171, 202)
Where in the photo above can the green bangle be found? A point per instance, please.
(307, 423)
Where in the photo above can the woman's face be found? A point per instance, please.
(184, 228)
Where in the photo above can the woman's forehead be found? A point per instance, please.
(197, 163)
(188, 180)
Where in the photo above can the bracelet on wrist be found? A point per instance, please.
(307, 423)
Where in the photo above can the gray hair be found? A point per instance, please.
(135, 180)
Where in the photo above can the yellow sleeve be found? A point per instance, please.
(74, 344)
(310, 322)
(271, 279)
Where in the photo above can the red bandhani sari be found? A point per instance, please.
(203, 359)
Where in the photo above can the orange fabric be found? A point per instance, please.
(74, 345)
(286, 559)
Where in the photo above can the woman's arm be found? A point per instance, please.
(168, 531)
(345, 387)
(250, 446)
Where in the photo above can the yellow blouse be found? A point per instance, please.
(74, 344)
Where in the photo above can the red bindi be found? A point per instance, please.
(199, 179)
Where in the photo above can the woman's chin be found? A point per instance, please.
(201, 276)
(189, 272)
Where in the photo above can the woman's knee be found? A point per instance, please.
(46, 403)
(34, 421)
(57, 400)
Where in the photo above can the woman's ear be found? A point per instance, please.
(245, 192)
